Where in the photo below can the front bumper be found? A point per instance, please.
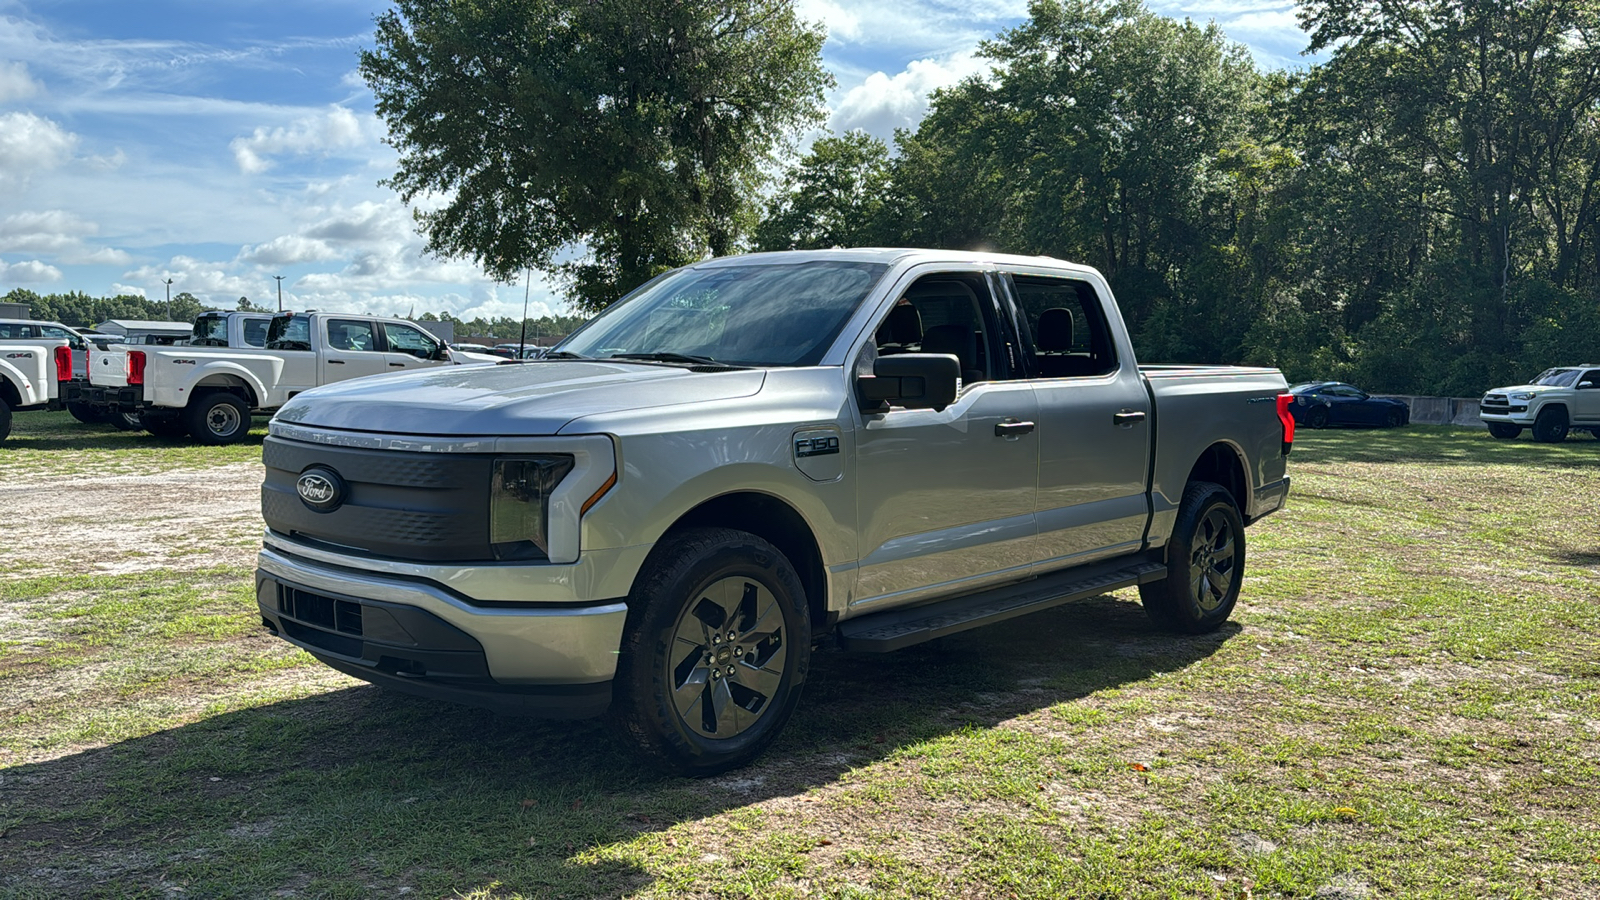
(1514, 416)
(421, 637)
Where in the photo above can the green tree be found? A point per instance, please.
(639, 131)
(833, 197)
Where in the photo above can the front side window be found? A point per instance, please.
(949, 312)
(758, 314)
(405, 339)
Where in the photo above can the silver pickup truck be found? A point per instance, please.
(750, 458)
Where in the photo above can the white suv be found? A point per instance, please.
(1559, 400)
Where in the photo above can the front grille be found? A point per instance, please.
(422, 507)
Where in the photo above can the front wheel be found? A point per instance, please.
(1395, 418)
(1205, 563)
(1503, 431)
(715, 649)
(217, 418)
(1551, 425)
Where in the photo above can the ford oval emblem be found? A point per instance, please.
(321, 489)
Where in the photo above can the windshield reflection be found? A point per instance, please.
(757, 314)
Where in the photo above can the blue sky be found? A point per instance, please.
(220, 144)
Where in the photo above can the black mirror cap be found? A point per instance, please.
(911, 380)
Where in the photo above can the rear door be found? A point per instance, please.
(1094, 420)
(350, 350)
(945, 498)
(1586, 400)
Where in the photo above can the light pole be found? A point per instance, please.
(280, 292)
(168, 283)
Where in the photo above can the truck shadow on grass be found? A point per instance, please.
(360, 792)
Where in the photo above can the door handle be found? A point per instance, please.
(398, 365)
(1128, 417)
(335, 362)
(1012, 428)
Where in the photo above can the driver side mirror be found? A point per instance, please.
(910, 380)
(441, 353)
(1585, 385)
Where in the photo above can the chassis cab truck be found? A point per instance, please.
(748, 458)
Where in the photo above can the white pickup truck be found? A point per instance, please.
(31, 376)
(750, 457)
(211, 392)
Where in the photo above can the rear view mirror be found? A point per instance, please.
(911, 380)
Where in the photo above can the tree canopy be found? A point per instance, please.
(633, 133)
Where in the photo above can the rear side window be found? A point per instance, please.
(11, 331)
(1068, 334)
(289, 333)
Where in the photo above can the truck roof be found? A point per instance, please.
(892, 255)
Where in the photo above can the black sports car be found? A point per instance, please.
(1320, 404)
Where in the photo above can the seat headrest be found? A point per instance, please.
(903, 326)
(1055, 330)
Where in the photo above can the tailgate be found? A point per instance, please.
(109, 368)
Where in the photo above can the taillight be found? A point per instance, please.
(63, 363)
(136, 369)
(1288, 421)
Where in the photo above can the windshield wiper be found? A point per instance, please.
(563, 354)
(675, 358)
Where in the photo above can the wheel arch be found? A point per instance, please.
(1224, 463)
(9, 392)
(775, 521)
(233, 380)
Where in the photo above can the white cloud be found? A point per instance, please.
(16, 83)
(30, 272)
(288, 250)
(30, 144)
(917, 28)
(882, 103)
(325, 133)
(366, 223)
(126, 290)
(209, 281)
(56, 233)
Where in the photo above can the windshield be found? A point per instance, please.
(210, 331)
(777, 314)
(1557, 377)
(289, 333)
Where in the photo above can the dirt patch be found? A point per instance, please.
(116, 524)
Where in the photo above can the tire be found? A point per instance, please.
(5, 419)
(162, 424)
(87, 414)
(1550, 427)
(1395, 418)
(127, 421)
(675, 660)
(1317, 417)
(1504, 432)
(217, 418)
(1205, 563)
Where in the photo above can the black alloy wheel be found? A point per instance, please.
(1504, 431)
(715, 649)
(1205, 563)
(1317, 417)
(1550, 427)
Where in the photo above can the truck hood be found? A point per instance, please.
(1526, 389)
(522, 399)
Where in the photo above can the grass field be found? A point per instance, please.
(1404, 706)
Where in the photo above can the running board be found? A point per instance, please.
(894, 629)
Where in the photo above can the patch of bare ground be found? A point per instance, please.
(115, 524)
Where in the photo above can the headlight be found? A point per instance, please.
(519, 505)
(1525, 395)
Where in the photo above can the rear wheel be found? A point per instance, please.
(1205, 563)
(1317, 417)
(217, 418)
(127, 421)
(714, 652)
(1503, 431)
(1551, 425)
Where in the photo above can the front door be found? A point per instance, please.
(945, 498)
(409, 347)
